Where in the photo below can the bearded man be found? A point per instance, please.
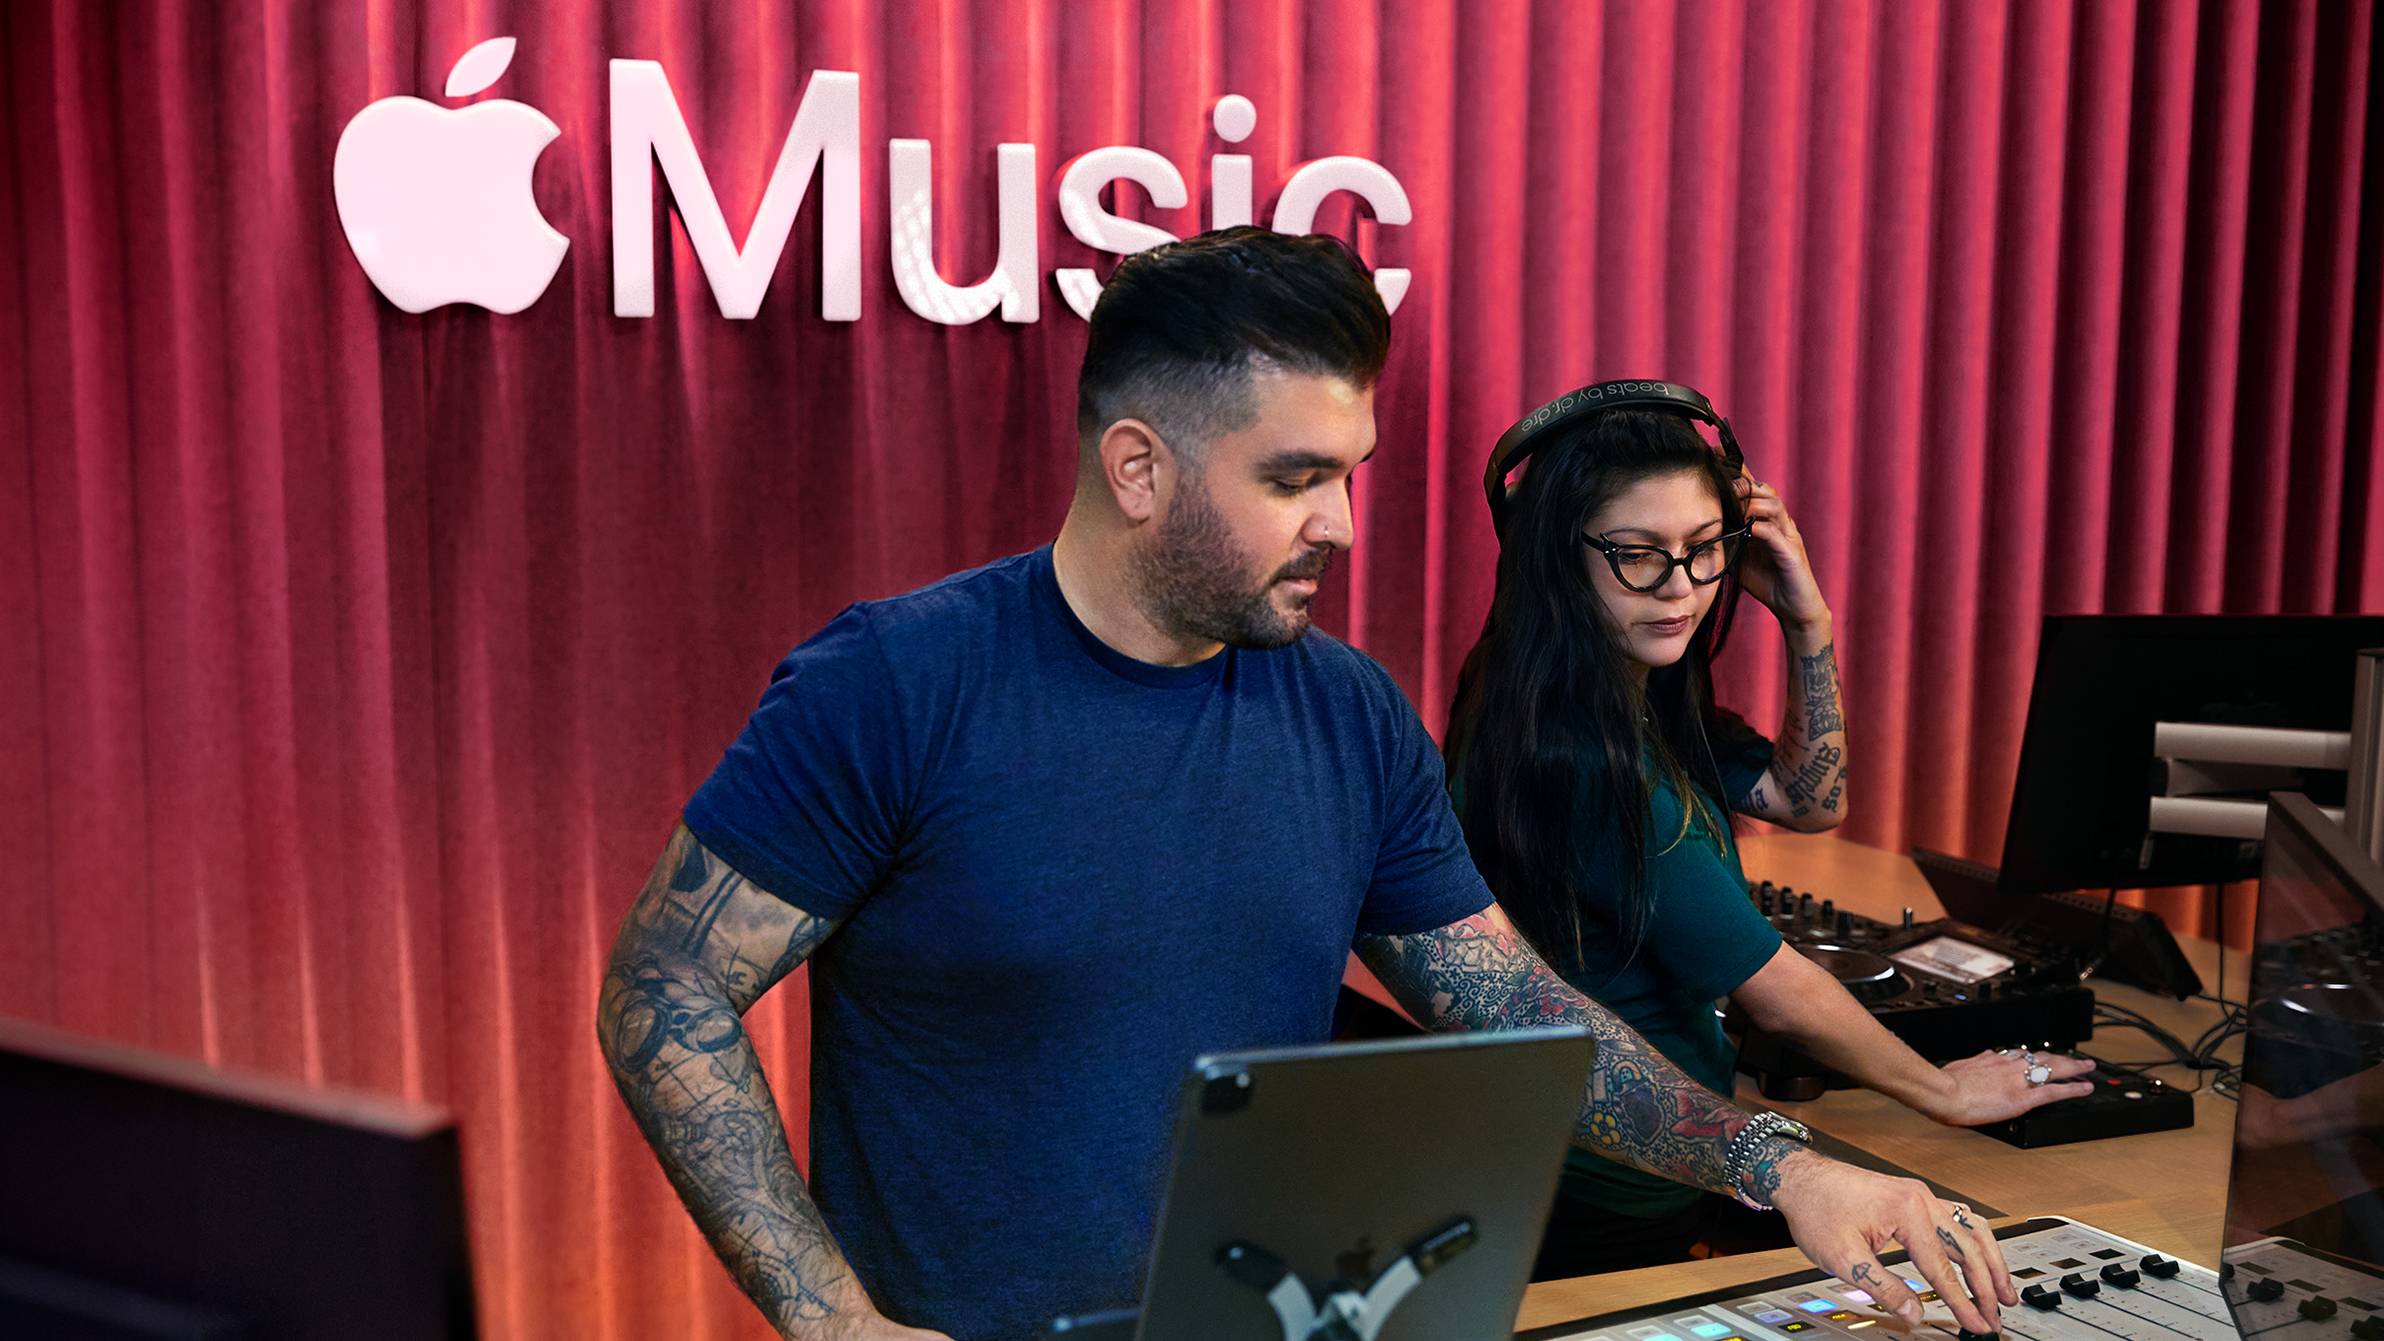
(1049, 828)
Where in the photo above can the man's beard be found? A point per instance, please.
(1190, 580)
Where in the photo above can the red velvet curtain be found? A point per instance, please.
(358, 662)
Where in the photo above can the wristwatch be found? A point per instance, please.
(1738, 1160)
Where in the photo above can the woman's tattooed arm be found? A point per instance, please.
(1805, 787)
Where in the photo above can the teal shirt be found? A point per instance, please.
(1703, 939)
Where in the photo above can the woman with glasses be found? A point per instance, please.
(1595, 778)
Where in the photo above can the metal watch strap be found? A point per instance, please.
(1739, 1157)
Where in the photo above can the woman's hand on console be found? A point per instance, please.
(1993, 1086)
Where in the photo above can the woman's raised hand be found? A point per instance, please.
(1774, 567)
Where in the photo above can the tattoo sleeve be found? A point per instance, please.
(1806, 787)
(1640, 1109)
(700, 946)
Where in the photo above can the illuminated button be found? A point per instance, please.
(1818, 1305)
(1709, 1330)
(1859, 1296)
(1796, 1326)
(1773, 1315)
(1841, 1315)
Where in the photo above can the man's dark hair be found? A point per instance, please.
(1182, 329)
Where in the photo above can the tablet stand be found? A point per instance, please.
(1345, 1313)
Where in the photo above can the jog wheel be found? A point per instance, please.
(1868, 977)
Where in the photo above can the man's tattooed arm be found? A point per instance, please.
(1481, 974)
(1640, 1109)
(1805, 787)
(698, 948)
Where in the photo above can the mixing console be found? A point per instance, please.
(2077, 1284)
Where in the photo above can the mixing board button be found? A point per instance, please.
(2037, 1296)
(1967, 1335)
(2368, 1329)
(2077, 1284)
(2157, 1265)
(2266, 1291)
(2120, 1276)
(2317, 1308)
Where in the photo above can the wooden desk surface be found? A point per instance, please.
(2166, 1189)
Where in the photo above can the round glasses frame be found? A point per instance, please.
(1728, 544)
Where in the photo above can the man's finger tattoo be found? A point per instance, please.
(1952, 1244)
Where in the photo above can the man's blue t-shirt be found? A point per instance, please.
(1061, 874)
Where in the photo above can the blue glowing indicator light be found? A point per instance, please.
(1818, 1305)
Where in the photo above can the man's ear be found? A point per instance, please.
(1138, 466)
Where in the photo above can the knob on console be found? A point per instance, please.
(2040, 1296)
(2077, 1284)
(2318, 1308)
(2162, 1267)
(2369, 1328)
(2120, 1276)
(2265, 1291)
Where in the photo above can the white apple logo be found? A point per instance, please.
(436, 203)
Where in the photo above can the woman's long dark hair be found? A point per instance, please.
(1547, 702)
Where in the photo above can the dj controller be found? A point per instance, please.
(2076, 1283)
(2327, 1026)
(1946, 988)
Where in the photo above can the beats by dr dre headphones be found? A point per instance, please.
(1534, 429)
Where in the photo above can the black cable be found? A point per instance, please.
(2179, 1054)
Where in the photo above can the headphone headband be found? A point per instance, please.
(1530, 432)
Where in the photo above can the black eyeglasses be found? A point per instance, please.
(1646, 568)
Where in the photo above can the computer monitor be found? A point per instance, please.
(145, 1197)
(1412, 1173)
(2309, 1128)
(2083, 793)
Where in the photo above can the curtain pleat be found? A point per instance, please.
(359, 662)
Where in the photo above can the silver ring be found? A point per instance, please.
(2039, 1074)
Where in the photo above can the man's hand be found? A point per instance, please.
(1844, 1217)
(856, 1319)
